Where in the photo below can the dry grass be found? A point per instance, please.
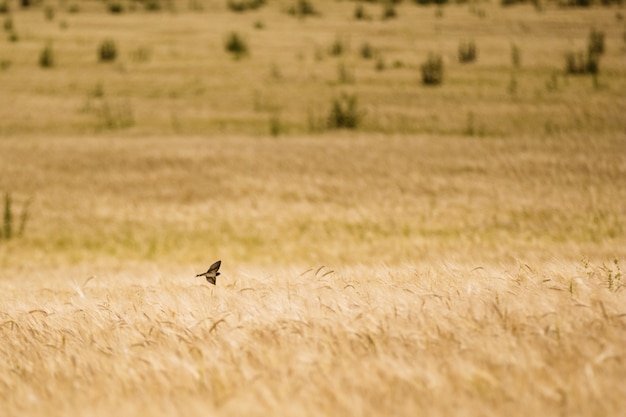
(460, 254)
(471, 297)
(358, 341)
(316, 200)
(186, 83)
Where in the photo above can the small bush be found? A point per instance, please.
(427, 2)
(596, 42)
(360, 13)
(153, 5)
(4, 7)
(338, 47)
(240, 6)
(236, 45)
(302, 8)
(367, 51)
(467, 52)
(578, 63)
(73, 8)
(13, 36)
(432, 70)
(389, 11)
(107, 51)
(116, 7)
(276, 125)
(46, 57)
(344, 113)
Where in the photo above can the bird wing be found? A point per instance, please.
(214, 268)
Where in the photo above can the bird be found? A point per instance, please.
(211, 274)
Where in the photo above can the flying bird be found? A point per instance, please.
(211, 274)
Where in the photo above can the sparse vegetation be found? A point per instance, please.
(467, 51)
(367, 51)
(236, 45)
(116, 7)
(338, 47)
(107, 51)
(8, 231)
(302, 8)
(345, 112)
(432, 70)
(240, 6)
(46, 57)
(589, 62)
(389, 11)
(360, 13)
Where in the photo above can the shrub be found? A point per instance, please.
(236, 45)
(360, 13)
(467, 52)
(302, 8)
(4, 7)
(344, 113)
(240, 6)
(338, 47)
(367, 51)
(596, 42)
(107, 50)
(116, 7)
(427, 2)
(153, 5)
(275, 124)
(577, 63)
(46, 57)
(389, 11)
(432, 70)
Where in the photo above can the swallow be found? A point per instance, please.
(211, 274)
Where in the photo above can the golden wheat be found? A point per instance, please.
(434, 340)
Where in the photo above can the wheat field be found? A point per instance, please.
(460, 253)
